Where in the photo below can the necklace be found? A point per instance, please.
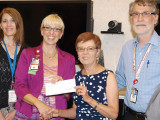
(50, 57)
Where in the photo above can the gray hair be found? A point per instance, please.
(151, 3)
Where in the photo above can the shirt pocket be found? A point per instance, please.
(153, 65)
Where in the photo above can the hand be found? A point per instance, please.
(54, 112)
(43, 110)
(66, 95)
(56, 79)
(82, 90)
(1, 116)
(10, 115)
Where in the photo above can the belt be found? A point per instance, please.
(139, 115)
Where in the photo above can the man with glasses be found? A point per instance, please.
(139, 66)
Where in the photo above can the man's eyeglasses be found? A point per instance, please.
(89, 49)
(144, 14)
(54, 29)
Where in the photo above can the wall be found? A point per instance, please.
(106, 10)
(103, 12)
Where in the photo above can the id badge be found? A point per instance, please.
(12, 96)
(134, 95)
(35, 64)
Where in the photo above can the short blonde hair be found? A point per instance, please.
(53, 19)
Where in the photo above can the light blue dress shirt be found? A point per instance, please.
(149, 77)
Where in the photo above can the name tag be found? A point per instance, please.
(35, 63)
(12, 96)
(134, 95)
(34, 66)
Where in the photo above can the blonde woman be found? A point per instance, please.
(38, 66)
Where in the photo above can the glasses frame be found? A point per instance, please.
(89, 49)
(144, 14)
(54, 29)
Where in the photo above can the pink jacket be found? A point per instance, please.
(32, 84)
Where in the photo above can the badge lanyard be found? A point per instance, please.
(12, 66)
(141, 63)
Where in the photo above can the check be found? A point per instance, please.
(61, 87)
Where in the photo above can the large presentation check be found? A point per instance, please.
(61, 87)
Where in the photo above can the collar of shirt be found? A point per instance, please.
(155, 39)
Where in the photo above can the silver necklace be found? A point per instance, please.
(50, 57)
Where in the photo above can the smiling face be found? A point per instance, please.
(51, 34)
(8, 25)
(143, 24)
(87, 52)
(52, 28)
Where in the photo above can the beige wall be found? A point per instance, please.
(107, 10)
(103, 12)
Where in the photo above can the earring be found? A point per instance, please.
(97, 59)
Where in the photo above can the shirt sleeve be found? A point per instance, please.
(120, 75)
(21, 87)
(71, 70)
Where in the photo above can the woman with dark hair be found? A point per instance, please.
(11, 46)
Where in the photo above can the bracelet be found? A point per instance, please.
(96, 105)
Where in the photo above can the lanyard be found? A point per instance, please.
(12, 66)
(141, 63)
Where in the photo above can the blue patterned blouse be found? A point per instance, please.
(96, 86)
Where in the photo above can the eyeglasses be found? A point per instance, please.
(144, 14)
(54, 29)
(89, 49)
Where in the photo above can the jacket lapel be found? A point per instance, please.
(39, 73)
(61, 63)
